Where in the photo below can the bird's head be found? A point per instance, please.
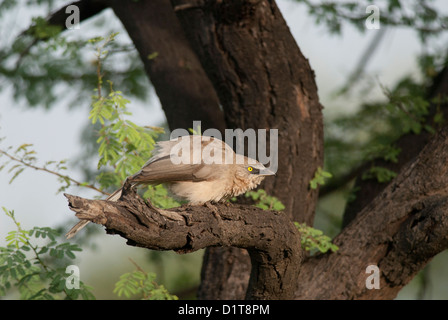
(252, 171)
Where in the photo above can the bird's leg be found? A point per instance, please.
(215, 210)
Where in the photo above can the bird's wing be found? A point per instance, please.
(163, 170)
(189, 166)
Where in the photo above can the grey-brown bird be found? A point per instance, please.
(198, 169)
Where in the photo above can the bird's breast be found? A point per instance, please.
(201, 191)
(225, 187)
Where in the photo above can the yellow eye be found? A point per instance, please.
(250, 169)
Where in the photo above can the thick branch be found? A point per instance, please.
(263, 81)
(399, 231)
(271, 239)
(87, 9)
(410, 144)
(184, 90)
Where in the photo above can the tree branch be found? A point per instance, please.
(410, 145)
(87, 9)
(399, 231)
(263, 81)
(273, 242)
(176, 73)
(65, 177)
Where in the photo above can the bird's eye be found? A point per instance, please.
(250, 169)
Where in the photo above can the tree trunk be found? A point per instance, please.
(181, 84)
(263, 82)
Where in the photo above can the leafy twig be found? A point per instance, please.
(65, 177)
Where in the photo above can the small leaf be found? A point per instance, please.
(153, 55)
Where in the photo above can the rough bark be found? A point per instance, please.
(273, 242)
(263, 82)
(399, 231)
(181, 84)
(410, 144)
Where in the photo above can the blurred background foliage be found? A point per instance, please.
(45, 67)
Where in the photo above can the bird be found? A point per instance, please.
(197, 169)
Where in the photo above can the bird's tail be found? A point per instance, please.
(81, 224)
(115, 195)
(73, 231)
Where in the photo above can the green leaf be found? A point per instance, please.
(314, 239)
(153, 55)
(381, 174)
(319, 178)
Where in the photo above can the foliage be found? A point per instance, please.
(314, 239)
(371, 132)
(43, 54)
(35, 263)
(124, 146)
(142, 284)
(319, 178)
(311, 238)
(381, 174)
(419, 15)
(264, 201)
(160, 197)
(25, 157)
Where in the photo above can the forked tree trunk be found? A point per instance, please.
(185, 92)
(264, 82)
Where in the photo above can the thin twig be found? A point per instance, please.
(80, 184)
(137, 266)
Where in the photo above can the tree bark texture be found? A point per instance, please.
(272, 240)
(399, 231)
(184, 90)
(410, 145)
(263, 82)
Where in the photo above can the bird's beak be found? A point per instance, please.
(266, 172)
